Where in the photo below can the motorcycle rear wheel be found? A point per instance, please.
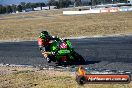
(78, 58)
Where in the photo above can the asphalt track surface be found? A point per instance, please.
(113, 53)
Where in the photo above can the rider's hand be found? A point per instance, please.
(53, 53)
(51, 41)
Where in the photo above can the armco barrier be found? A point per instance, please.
(95, 11)
(80, 12)
(114, 9)
(129, 9)
(106, 10)
(126, 9)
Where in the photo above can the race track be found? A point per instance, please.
(113, 53)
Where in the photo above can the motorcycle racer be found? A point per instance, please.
(44, 42)
(58, 50)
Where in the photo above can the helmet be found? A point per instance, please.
(43, 34)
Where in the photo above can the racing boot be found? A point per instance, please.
(48, 59)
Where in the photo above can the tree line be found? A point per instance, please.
(23, 6)
(58, 3)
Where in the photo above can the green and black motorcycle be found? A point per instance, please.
(64, 53)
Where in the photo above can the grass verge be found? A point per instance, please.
(27, 26)
(34, 78)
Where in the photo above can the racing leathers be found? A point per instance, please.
(44, 46)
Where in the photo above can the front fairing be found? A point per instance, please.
(63, 52)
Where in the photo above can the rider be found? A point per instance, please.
(44, 41)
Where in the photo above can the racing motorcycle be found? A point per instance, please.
(63, 53)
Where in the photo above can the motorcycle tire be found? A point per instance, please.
(79, 58)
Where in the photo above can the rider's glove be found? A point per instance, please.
(53, 53)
